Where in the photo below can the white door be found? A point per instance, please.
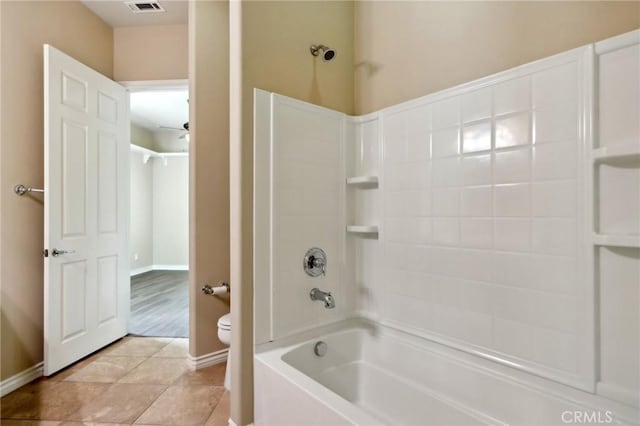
(86, 281)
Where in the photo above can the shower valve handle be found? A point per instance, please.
(315, 262)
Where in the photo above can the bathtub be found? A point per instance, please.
(377, 375)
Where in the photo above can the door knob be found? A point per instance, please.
(55, 252)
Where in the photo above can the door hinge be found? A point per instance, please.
(45, 253)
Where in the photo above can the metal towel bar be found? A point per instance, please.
(21, 189)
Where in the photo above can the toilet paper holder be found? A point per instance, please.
(221, 288)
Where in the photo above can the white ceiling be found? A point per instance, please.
(117, 14)
(154, 109)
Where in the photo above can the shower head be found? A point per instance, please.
(327, 53)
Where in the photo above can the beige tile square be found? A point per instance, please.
(220, 415)
(68, 371)
(107, 369)
(29, 423)
(137, 346)
(160, 371)
(40, 384)
(183, 405)
(122, 403)
(92, 424)
(213, 376)
(49, 400)
(178, 348)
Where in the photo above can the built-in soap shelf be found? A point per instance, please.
(621, 158)
(363, 229)
(619, 152)
(616, 240)
(363, 181)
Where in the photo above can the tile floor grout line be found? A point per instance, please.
(149, 406)
(185, 382)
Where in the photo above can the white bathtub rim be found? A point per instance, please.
(271, 354)
(321, 394)
(291, 341)
(353, 413)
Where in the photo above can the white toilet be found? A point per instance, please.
(224, 335)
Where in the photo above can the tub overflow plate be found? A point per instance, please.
(320, 348)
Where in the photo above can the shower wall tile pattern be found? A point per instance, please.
(617, 185)
(308, 211)
(480, 240)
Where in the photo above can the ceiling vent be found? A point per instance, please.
(144, 7)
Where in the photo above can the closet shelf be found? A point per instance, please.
(618, 152)
(362, 229)
(371, 181)
(616, 240)
(147, 153)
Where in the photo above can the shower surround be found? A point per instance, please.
(498, 220)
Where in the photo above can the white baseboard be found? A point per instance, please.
(202, 361)
(170, 267)
(139, 271)
(232, 423)
(21, 379)
(144, 269)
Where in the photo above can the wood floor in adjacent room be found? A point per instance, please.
(137, 380)
(160, 304)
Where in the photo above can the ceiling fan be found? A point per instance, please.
(185, 128)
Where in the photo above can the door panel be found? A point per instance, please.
(107, 183)
(107, 289)
(74, 190)
(74, 293)
(86, 210)
(74, 92)
(107, 108)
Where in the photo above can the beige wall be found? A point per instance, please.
(159, 231)
(25, 26)
(168, 140)
(404, 50)
(275, 56)
(141, 207)
(142, 137)
(275, 52)
(157, 52)
(208, 169)
(171, 211)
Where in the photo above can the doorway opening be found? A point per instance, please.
(159, 219)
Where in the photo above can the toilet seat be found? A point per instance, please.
(224, 322)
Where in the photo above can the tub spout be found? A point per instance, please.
(323, 296)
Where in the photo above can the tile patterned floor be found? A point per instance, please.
(137, 380)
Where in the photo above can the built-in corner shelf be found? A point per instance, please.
(616, 240)
(362, 229)
(363, 181)
(627, 151)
